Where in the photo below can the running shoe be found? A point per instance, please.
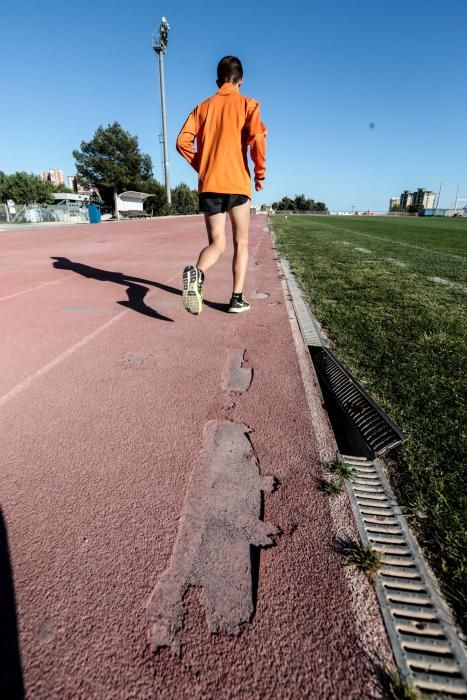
(192, 296)
(238, 305)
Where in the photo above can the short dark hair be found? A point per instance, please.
(229, 70)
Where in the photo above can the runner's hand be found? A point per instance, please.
(259, 184)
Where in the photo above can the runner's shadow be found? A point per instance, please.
(11, 676)
(136, 292)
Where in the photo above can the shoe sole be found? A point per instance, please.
(239, 311)
(191, 298)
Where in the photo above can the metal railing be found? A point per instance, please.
(37, 213)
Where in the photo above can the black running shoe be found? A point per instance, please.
(238, 305)
(192, 296)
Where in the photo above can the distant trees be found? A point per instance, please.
(300, 203)
(113, 162)
(184, 200)
(157, 204)
(27, 188)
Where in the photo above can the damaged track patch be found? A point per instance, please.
(236, 377)
(219, 524)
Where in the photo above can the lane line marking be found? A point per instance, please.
(67, 353)
(40, 286)
(448, 283)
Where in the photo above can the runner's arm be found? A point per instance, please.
(257, 139)
(186, 141)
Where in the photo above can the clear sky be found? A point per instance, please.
(323, 70)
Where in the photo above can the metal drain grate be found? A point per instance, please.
(422, 633)
(377, 429)
(308, 325)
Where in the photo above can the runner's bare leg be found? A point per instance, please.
(240, 218)
(215, 226)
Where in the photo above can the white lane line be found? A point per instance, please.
(67, 353)
(40, 286)
(50, 365)
(448, 283)
(396, 262)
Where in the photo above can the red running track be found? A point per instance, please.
(106, 387)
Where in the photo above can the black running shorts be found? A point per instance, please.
(217, 203)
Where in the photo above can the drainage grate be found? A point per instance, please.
(377, 429)
(423, 636)
(309, 327)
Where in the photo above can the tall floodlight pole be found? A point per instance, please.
(159, 44)
(457, 197)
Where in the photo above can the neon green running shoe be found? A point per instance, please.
(192, 296)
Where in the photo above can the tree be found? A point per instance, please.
(25, 188)
(156, 204)
(184, 200)
(112, 162)
(320, 206)
(62, 188)
(300, 202)
(286, 204)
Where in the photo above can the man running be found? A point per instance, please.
(224, 126)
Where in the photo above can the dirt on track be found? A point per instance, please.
(106, 389)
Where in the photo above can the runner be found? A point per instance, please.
(224, 126)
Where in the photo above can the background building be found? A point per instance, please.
(423, 199)
(71, 183)
(413, 201)
(54, 176)
(75, 186)
(406, 199)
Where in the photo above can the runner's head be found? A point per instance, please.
(229, 70)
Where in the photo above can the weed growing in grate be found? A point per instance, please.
(394, 687)
(363, 557)
(341, 469)
(330, 488)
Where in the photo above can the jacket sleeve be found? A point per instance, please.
(256, 138)
(186, 140)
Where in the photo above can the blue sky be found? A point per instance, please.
(323, 70)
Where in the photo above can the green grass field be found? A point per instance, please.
(392, 296)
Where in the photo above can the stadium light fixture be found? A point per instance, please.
(159, 44)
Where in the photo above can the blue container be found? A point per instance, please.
(94, 214)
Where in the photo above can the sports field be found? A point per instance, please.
(392, 296)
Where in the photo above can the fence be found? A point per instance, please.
(36, 213)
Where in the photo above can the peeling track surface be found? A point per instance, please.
(424, 639)
(423, 635)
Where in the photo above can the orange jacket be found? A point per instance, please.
(224, 126)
